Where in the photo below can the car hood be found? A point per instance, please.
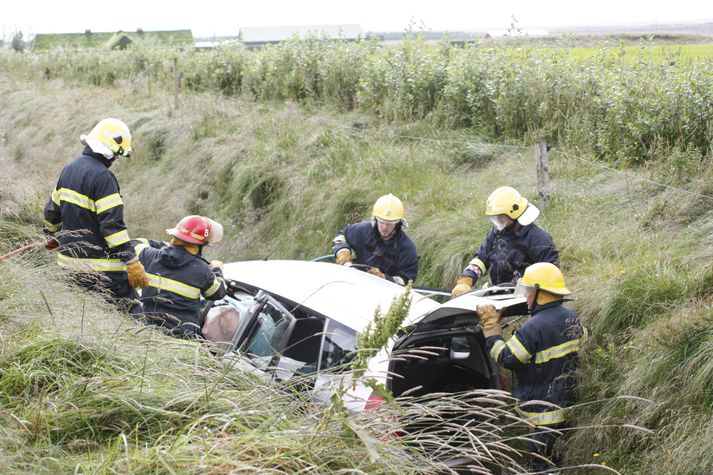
(348, 296)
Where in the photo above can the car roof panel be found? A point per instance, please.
(470, 301)
(348, 296)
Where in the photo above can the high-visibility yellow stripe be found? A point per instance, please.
(52, 227)
(71, 196)
(143, 244)
(99, 265)
(399, 280)
(339, 239)
(518, 350)
(478, 263)
(117, 239)
(544, 418)
(558, 351)
(109, 202)
(214, 288)
(174, 286)
(497, 348)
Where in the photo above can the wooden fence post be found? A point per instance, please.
(175, 82)
(543, 173)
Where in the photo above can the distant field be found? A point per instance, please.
(44, 42)
(684, 52)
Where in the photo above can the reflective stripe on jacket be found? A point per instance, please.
(543, 355)
(506, 254)
(396, 258)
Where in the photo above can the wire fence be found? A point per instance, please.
(523, 148)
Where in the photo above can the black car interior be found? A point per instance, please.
(442, 362)
(304, 342)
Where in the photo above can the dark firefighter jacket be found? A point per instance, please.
(507, 253)
(396, 258)
(88, 210)
(543, 355)
(177, 280)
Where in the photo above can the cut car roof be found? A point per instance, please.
(501, 298)
(348, 296)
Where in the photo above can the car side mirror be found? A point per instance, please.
(460, 350)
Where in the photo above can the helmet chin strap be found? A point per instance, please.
(537, 294)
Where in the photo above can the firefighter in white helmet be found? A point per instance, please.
(380, 243)
(84, 217)
(513, 243)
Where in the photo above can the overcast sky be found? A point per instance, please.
(225, 17)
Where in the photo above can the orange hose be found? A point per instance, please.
(22, 249)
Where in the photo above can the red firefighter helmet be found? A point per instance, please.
(192, 229)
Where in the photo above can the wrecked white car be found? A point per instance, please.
(293, 319)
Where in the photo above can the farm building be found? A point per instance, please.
(204, 44)
(531, 33)
(90, 39)
(254, 37)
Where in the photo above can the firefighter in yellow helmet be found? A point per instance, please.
(85, 217)
(380, 243)
(543, 355)
(513, 243)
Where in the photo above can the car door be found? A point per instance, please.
(436, 358)
(261, 338)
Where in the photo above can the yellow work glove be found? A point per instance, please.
(489, 320)
(344, 256)
(137, 274)
(463, 285)
(375, 271)
(216, 264)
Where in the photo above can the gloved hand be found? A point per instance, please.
(489, 320)
(51, 243)
(463, 285)
(344, 256)
(375, 271)
(137, 274)
(216, 264)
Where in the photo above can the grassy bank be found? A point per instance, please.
(284, 177)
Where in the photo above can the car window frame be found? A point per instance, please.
(330, 322)
(262, 299)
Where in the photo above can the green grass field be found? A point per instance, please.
(683, 52)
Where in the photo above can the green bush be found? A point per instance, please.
(622, 109)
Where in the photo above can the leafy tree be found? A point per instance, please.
(18, 43)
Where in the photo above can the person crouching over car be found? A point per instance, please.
(178, 275)
(380, 243)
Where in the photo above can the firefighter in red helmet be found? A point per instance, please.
(178, 275)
